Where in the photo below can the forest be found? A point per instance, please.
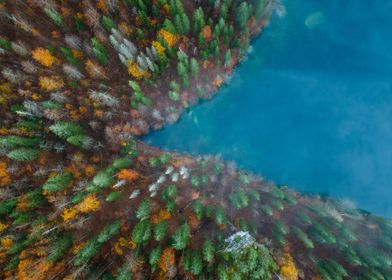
(82, 197)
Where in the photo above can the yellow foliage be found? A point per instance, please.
(167, 259)
(288, 270)
(162, 215)
(4, 131)
(170, 38)
(6, 243)
(125, 243)
(22, 203)
(69, 213)
(136, 72)
(5, 178)
(30, 267)
(77, 54)
(94, 70)
(158, 47)
(51, 83)
(89, 204)
(5, 88)
(218, 81)
(89, 170)
(125, 28)
(44, 57)
(3, 227)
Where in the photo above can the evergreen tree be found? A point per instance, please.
(208, 251)
(303, 237)
(220, 217)
(58, 182)
(194, 66)
(102, 179)
(99, 51)
(198, 20)
(181, 237)
(141, 232)
(12, 141)
(169, 26)
(196, 262)
(60, 248)
(154, 257)
(54, 16)
(108, 23)
(242, 15)
(88, 251)
(124, 273)
(66, 129)
(259, 9)
(23, 154)
(144, 209)
(227, 58)
(35, 198)
(109, 231)
(160, 230)
(198, 208)
(113, 196)
(169, 192)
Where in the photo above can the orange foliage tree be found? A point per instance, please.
(5, 178)
(167, 259)
(51, 83)
(288, 270)
(44, 57)
(128, 174)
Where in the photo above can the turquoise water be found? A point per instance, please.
(310, 108)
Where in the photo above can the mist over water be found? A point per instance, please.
(310, 108)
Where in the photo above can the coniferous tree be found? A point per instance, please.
(66, 129)
(242, 15)
(23, 154)
(227, 58)
(144, 209)
(198, 20)
(194, 67)
(60, 248)
(208, 251)
(58, 182)
(99, 51)
(181, 237)
(196, 262)
(109, 231)
(308, 243)
(113, 196)
(198, 208)
(54, 16)
(141, 232)
(88, 251)
(154, 257)
(160, 230)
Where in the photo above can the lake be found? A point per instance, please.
(311, 107)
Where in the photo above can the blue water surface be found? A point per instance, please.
(310, 108)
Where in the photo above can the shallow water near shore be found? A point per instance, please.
(311, 107)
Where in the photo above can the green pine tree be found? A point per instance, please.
(109, 231)
(60, 248)
(208, 251)
(242, 15)
(144, 209)
(194, 67)
(58, 182)
(181, 237)
(54, 16)
(154, 257)
(66, 129)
